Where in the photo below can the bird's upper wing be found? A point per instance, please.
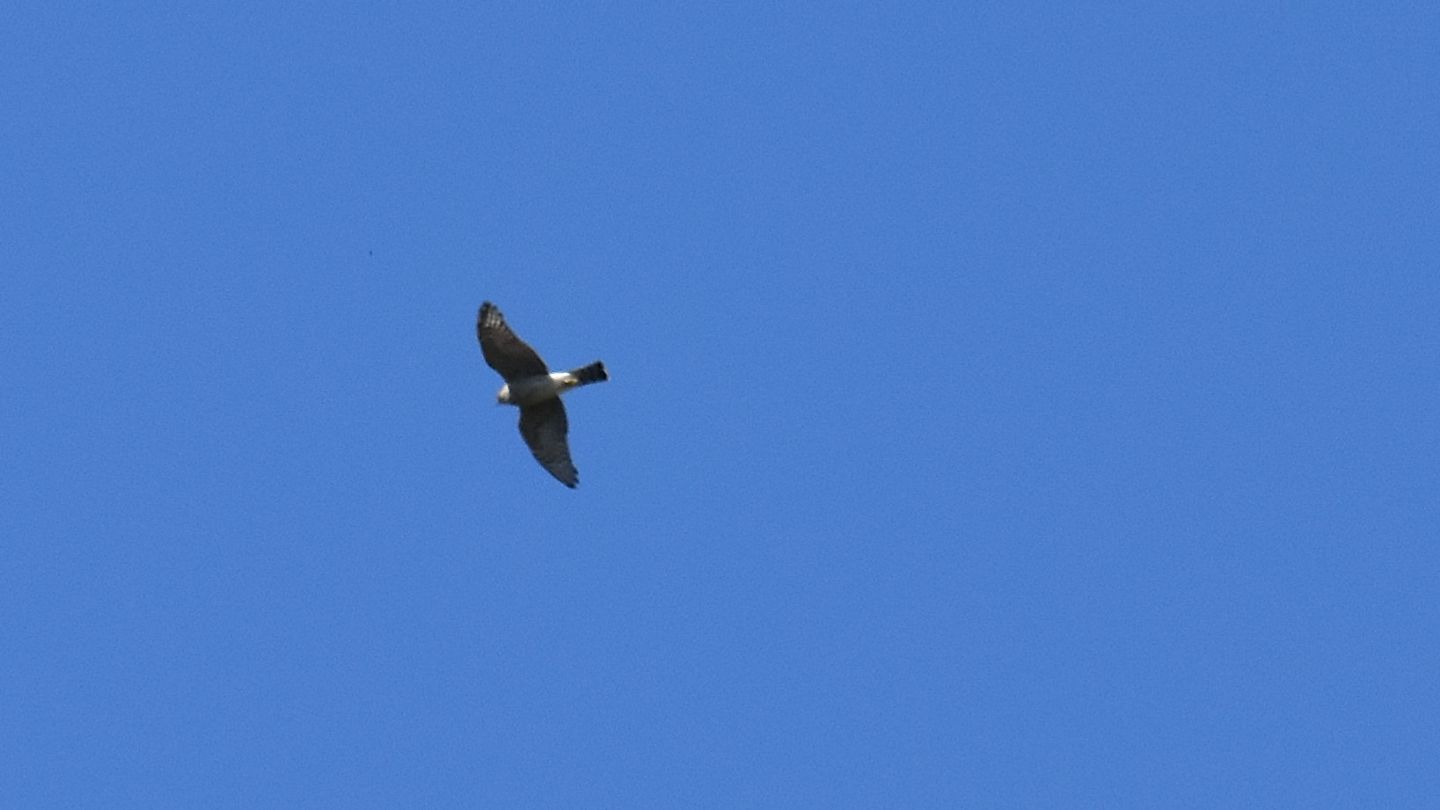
(505, 352)
(543, 427)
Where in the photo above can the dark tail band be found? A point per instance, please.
(593, 373)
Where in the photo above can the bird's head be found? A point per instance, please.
(503, 397)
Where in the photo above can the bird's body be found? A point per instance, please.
(536, 390)
(532, 390)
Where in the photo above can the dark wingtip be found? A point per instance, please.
(489, 315)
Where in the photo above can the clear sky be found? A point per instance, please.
(1011, 405)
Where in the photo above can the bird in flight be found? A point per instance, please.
(536, 390)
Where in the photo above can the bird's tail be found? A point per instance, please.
(593, 373)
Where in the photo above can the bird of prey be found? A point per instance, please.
(536, 390)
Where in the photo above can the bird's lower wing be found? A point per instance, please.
(544, 428)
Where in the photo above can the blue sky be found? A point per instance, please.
(1011, 405)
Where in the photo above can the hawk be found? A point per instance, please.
(536, 390)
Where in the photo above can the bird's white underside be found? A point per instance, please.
(536, 389)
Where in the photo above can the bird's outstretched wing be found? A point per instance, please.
(505, 352)
(544, 427)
